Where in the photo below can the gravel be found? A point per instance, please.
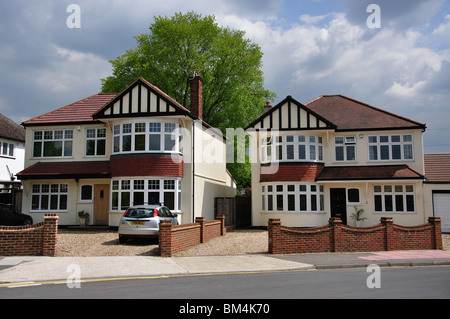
(104, 242)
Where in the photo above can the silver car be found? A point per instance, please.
(143, 221)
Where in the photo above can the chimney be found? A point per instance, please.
(267, 107)
(196, 95)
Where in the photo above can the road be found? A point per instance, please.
(394, 282)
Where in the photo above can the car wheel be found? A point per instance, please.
(27, 222)
(122, 239)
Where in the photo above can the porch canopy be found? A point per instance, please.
(66, 170)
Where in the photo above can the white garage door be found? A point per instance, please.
(442, 210)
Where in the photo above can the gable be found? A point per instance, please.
(141, 99)
(290, 114)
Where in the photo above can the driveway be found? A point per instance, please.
(85, 243)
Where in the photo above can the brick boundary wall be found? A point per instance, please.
(336, 237)
(35, 240)
(173, 239)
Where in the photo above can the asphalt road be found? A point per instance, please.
(394, 282)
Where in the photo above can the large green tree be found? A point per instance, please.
(176, 47)
(229, 64)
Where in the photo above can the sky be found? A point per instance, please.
(396, 57)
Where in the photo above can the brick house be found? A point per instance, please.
(112, 150)
(332, 157)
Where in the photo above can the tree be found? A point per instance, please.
(178, 46)
(229, 64)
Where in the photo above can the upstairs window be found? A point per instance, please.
(57, 143)
(345, 148)
(291, 148)
(390, 147)
(146, 136)
(96, 142)
(6, 149)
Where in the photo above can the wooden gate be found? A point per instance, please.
(237, 211)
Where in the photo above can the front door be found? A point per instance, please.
(338, 203)
(101, 204)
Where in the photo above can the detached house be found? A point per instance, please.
(333, 156)
(109, 151)
(12, 151)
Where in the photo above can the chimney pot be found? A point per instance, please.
(267, 106)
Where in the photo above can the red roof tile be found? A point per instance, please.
(56, 170)
(381, 172)
(437, 167)
(350, 114)
(80, 111)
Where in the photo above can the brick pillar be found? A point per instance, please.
(389, 235)
(336, 224)
(201, 221)
(165, 238)
(274, 228)
(437, 232)
(50, 233)
(223, 229)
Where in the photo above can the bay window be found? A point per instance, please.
(131, 192)
(146, 136)
(292, 148)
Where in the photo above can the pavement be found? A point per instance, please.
(33, 269)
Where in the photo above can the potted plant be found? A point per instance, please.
(357, 216)
(84, 217)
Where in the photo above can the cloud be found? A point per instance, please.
(444, 28)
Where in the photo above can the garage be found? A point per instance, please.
(441, 207)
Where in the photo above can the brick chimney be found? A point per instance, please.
(197, 95)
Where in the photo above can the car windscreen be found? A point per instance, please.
(139, 212)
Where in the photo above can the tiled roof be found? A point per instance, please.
(350, 114)
(382, 172)
(11, 130)
(80, 111)
(56, 170)
(437, 167)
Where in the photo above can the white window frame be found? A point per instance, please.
(49, 190)
(132, 186)
(395, 192)
(6, 149)
(270, 147)
(95, 138)
(119, 134)
(347, 143)
(81, 200)
(285, 190)
(405, 141)
(44, 136)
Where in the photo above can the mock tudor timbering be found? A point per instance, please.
(113, 150)
(332, 157)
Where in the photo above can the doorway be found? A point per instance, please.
(101, 204)
(338, 203)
